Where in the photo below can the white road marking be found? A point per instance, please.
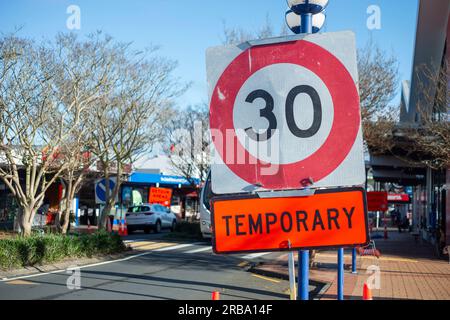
(80, 267)
(97, 264)
(255, 255)
(180, 246)
(136, 240)
(199, 250)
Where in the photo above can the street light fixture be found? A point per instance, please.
(307, 9)
(294, 22)
(307, 6)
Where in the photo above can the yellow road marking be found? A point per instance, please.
(148, 245)
(21, 282)
(243, 264)
(265, 278)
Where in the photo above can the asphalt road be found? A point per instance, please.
(158, 269)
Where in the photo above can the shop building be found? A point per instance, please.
(430, 199)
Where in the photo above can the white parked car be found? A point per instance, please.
(149, 217)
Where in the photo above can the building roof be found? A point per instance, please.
(154, 164)
(432, 31)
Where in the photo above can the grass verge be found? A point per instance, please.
(48, 248)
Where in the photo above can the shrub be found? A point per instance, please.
(39, 249)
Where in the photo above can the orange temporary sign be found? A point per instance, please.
(330, 218)
(160, 196)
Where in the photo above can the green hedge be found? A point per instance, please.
(48, 248)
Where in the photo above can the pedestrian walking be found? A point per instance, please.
(398, 221)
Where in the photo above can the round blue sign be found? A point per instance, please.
(101, 187)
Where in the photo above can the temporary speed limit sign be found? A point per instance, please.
(285, 114)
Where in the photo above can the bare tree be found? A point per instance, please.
(82, 79)
(378, 81)
(425, 142)
(433, 137)
(378, 78)
(130, 119)
(239, 35)
(68, 103)
(189, 141)
(27, 104)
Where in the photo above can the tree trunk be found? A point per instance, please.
(104, 215)
(111, 197)
(70, 193)
(66, 220)
(25, 221)
(66, 213)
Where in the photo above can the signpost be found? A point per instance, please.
(100, 189)
(398, 198)
(328, 219)
(285, 123)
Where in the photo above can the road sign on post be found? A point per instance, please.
(285, 114)
(100, 189)
(330, 218)
(377, 201)
(161, 196)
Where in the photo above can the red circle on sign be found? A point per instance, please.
(339, 142)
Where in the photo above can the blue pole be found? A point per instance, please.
(306, 23)
(303, 255)
(303, 275)
(341, 274)
(77, 203)
(354, 261)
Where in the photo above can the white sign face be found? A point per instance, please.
(285, 114)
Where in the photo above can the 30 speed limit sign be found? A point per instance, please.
(285, 114)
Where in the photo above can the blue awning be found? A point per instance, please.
(161, 179)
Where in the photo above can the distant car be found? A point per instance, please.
(149, 217)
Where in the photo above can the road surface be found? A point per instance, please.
(157, 269)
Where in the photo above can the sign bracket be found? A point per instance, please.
(308, 192)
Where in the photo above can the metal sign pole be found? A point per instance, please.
(354, 261)
(303, 255)
(303, 275)
(341, 274)
(291, 263)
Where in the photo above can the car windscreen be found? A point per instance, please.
(208, 194)
(133, 209)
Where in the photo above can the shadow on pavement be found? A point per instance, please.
(187, 282)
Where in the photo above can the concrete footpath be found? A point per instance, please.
(408, 270)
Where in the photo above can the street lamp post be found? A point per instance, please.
(306, 23)
(309, 15)
(306, 16)
(313, 23)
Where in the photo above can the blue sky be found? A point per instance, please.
(185, 28)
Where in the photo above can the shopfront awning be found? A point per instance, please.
(411, 178)
(161, 179)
